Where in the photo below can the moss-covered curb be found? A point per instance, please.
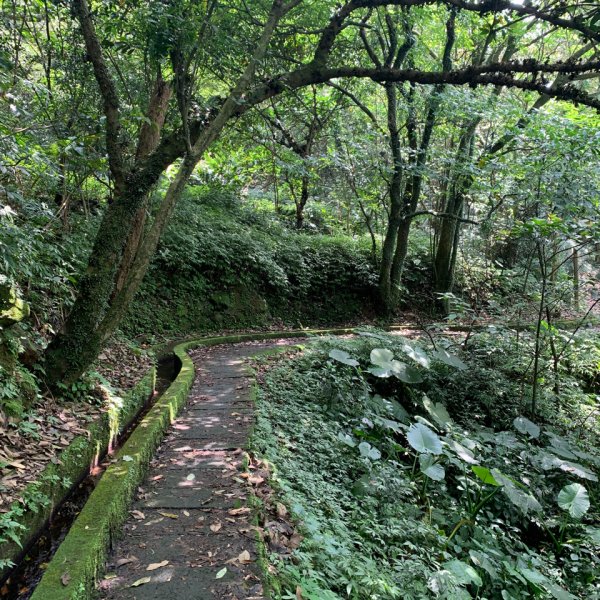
(72, 573)
(41, 498)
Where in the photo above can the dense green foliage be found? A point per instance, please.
(222, 264)
(411, 472)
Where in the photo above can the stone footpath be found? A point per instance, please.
(189, 535)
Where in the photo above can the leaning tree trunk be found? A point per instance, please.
(98, 309)
(76, 346)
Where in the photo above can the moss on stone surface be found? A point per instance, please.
(56, 480)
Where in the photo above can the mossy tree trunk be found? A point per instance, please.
(100, 304)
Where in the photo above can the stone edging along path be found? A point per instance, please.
(72, 573)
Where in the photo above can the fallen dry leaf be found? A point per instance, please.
(169, 515)
(215, 527)
(240, 511)
(281, 510)
(125, 561)
(154, 566)
(244, 557)
(141, 581)
(65, 578)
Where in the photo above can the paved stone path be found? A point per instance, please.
(191, 511)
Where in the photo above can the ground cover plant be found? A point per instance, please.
(402, 488)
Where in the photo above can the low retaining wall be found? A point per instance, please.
(55, 482)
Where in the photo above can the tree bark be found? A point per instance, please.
(449, 229)
(386, 294)
(301, 203)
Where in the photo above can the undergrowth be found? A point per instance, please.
(411, 472)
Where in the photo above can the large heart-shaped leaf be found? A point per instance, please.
(464, 573)
(574, 499)
(423, 440)
(516, 494)
(437, 411)
(343, 357)
(485, 475)
(369, 451)
(406, 373)
(449, 359)
(463, 453)
(525, 426)
(417, 353)
(382, 357)
(429, 467)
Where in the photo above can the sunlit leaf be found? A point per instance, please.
(437, 411)
(525, 426)
(449, 359)
(423, 440)
(574, 499)
(485, 475)
(343, 357)
(429, 467)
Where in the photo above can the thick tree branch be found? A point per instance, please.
(108, 92)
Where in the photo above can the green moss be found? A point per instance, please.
(55, 482)
(12, 308)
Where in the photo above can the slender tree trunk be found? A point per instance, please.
(301, 203)
(576, 286)
(148, 141)
(449, 228)
(395, 217)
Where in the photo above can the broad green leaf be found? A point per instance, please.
(463, 453)
(465, 574)
(346, 439)
(423, 440)
(579, 470)
(381, 357)
(406, 373)
(429, 467)
(343, 357)
(594, 534)
(550, 461)
(482, 560)
(417, 354)
(519, 497)
(369, 451)
(449, 359)
(399, 411)
(380, 372)
(437, 411)
(485, 475)
(574, 499)
(525, 426)
(558, 592)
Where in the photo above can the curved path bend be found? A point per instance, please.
(190, 519)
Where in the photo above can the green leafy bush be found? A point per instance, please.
(396, 498)
(220, 263)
